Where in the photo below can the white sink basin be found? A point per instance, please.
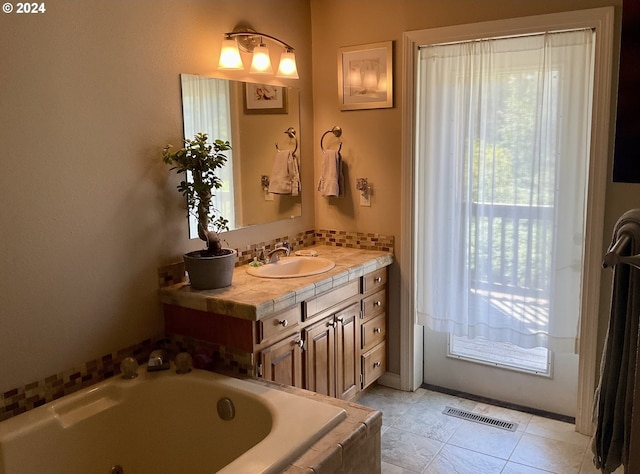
(291, 267)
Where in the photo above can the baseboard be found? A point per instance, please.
(390, 380)
(500, 403)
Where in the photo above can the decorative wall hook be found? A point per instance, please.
(362, 185)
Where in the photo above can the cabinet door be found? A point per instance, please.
(346, 352)
(320, 357)
(282, 362)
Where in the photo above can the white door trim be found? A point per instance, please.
(601, 19)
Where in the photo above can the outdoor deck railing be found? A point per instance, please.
(508, 241)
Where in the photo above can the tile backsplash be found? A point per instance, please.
(206, 355)
(21, 399)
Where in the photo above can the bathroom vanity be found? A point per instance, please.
(325, 333)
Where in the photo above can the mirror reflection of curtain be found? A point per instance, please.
(502, 159)
(206, 109)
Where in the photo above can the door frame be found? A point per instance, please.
(602, 20)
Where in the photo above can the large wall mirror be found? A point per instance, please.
(254, 118)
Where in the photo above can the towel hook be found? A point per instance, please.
(292, 134)
(337, 131)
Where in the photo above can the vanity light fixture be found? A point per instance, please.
(248, 40)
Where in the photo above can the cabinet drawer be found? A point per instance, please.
(373, 364)
(374, 304)
(279, 323)
(320, 303)
(373, 332)
(374, 281)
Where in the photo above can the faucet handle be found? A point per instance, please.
(129, 368)
(284, 245)
(184, 362)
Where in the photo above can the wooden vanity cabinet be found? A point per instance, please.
(373, 327)
(330, 354)
(282, 361)
(332, 343)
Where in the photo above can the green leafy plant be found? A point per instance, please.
(199, 162)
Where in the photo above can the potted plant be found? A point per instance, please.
(199, 161)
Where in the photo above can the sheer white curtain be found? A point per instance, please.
(502, 156)
(206, 109)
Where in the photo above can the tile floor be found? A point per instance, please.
(418, 438)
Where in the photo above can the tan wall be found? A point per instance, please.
(89, 95)
(372, 138)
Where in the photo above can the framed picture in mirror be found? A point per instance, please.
(264, 99)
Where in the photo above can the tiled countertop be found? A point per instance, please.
(254, 298)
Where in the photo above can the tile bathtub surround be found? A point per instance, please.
(352, 447)
(214, 357)
(21, 399)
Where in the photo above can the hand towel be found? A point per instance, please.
(331, 182)
(613, 404)
(285, 174)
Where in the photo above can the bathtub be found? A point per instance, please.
(163, 422)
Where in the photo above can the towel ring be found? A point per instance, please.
(337, 131)
(292, 134)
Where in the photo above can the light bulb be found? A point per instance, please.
(287, 67)
(230, 55)
(261, 63)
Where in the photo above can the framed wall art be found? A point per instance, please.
(264, 99)
(365, 76)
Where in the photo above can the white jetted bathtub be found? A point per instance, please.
(163, 422)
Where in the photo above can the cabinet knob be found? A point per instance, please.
(283, 323)
(377, 303)
(339, 319)
(300, 343)
(377, 279)
(377, 330)
(377, 364)
(331, 324)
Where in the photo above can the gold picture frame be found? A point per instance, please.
(365, 76)
(264, 99)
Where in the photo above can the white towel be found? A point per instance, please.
(331, 182)
(285, 175)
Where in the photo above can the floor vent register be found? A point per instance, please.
(482, 419)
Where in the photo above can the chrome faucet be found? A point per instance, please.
(158, 360)
(274, 255)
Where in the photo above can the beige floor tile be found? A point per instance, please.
(513, 468)
(408, 450)
(415, 430)
(382, 391)
(561, 457)
(391, 408)
(485, 439)
(428, 423)
(555, 429)
(393, 469)
(439, 401)
(452, 459)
